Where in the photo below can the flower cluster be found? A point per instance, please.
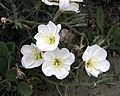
(54, 61)
(57, 61)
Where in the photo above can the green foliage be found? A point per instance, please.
(11, 46)
(3, 58)
(24, 89)
(11, 75)
(100, 19)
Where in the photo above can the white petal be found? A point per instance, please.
(38, 36)
(27, 50)
(27, 61)
(58, 28)
(64, 4)
(43, 28)
(99, 55)
(88, 70)
(48, 69)
(89, 52)
(61, 73)
(48, 56)
(103, 66)
(73, 7)
(41, 44)
(77, 0)
(92, 71)
(52, 27)
(70, 59)
(63, 53)
(50, 3)
(51, 47)
(37, 63)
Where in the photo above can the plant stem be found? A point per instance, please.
(58, 90)
(57, 14)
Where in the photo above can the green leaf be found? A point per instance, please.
(3, 58)
(11, 75)
(3, 49)
(3, 65)
(11, 46)
(114, 32)
(24, 89)
(100, 19)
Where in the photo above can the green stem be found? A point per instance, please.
(57, 14)
(66, 89)
(58, 90)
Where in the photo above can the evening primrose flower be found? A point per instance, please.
(47, 38)
(65, 5)
(95, 60)
(32, 56)
(57, 62)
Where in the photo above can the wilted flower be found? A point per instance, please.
(47, 38)
(32, 56)
(95, 60)
(20, 74)
(3, 20)
(64, 5)
(57, 62)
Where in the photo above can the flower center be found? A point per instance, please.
(37, 55)
(89, 64)
(51, 40)
(57, 62)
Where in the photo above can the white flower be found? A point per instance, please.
(64, 5)
(57, 62)
(47, 38)
(32, 56)
(95, 60)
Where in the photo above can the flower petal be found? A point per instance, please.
(50, 47)
(61, 73)
(48, 69)
(103, 66)
(27, 61)
(58, 28)
(52, 27)
(48, 56)
(64, 4)
(94, 72)
(99, 55)
(27, 50)
(88, 70)
(77, 0)
(70, 59)
(43, 28)
(63, 53)
(73, 7)
(89, 52)
(50, 3)
(37, 63)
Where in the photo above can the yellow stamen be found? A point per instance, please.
(57, 62)
(89, 64)
(37, 55)
(51, 40)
